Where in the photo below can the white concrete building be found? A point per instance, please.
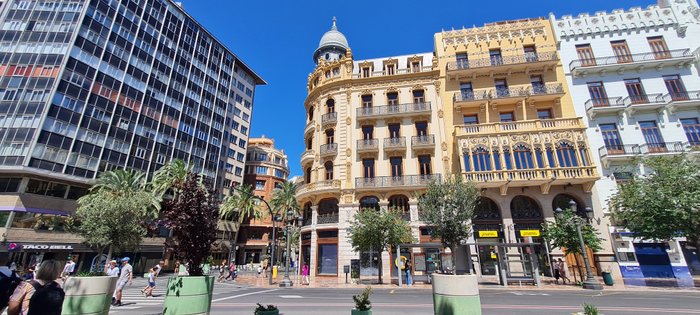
(633, 76)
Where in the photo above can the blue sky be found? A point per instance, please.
(277, 39)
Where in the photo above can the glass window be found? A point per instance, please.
(368, 168)
(675, 88)
(421, 128)
(471, 119)
(424, 164)
(396, 166)
(652, 136)
(507, 117)
(692, 130)
(482, 159)
(636, 91)
(392, 98)
(585, 55)
(367, 132)
(621, 51)
(598, 95)
(9, 184)
(611, 136)
(369, 202)
(544, 113)
(566, 155)
(394, 131)
(261, 170)
(260, 185)
(327, 259)
(329, 170)
(523, 157)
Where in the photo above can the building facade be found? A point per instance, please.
(266, 169)
(633, 77)
(88, 86)
(374, 138)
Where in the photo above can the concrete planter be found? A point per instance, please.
(275, 312)
(88, 295)
(356, 312)
(188, 295)
(456, 294)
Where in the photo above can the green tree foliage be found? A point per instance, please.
(241, 204)
(114, 213)
(192, 217)
(378, 230)
(448, 208)
(663, 204)
(284, 198)
(170, 177)
(562, 234)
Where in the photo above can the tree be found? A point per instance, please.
(663, 204)
(171, 176)
(562, 234)
(113, 215)
(378, 230)
(192, 217)
(284, 198)
(241, 204)
(448, 208)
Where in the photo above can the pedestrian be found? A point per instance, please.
(407, 269)
(69, 268)
(112, 269)
(561, 265)
(557, 272)
(29, 275)
(260, 269)
(264, 268)
(157, 268)
(41, 296)
(305, 275)
(231, 271)
(223, 268)
(148, 290)
(124, 278)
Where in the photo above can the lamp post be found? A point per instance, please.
(286, 282)
(590, 282)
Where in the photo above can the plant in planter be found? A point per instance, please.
(192, 216)
(589, 309)
(266, 310)
(363, 306)
(448, 208)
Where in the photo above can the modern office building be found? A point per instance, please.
(374, 138)
(633, 76)
(266, 168)
(516, 134)
(87, 86)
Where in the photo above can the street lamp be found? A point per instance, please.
(590, 282)
(286, 282)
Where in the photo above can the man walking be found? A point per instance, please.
(69, 268)
(112, 269)
(124, 278)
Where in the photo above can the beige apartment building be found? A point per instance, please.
(375, 136)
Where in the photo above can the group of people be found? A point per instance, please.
(560, 271)
(227, 271)
(40, 294)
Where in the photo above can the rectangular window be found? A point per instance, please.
(599, 97)
(692, 130)
(675, 87)
(368, 168)
(327, 259)
(424, 164)
(467, 91)
(636, 91)
(330, 136)
(658, 47)
(418, 97)
(261, 170)
(366, 72)
(611, 137)
(367, 132)
(396, 166)
(140, 153)
(622, 52)
(392, 99)
(501, 87)
(462, 61)
(421, 128)
(415, 67)
(585, 55)
(537, 84)
(544, 113)
(9, 184)
(471, 119)
(259, 185)
(530, 53)
(507, 116)
(390, 69)
(495, 57)
(366, 101)
(394, 131)
(652, 136)
(239, 171)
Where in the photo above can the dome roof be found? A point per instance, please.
(333, 38)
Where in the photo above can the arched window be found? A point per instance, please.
(369, 202)
(482, 159)
(523, 208)
(328, 206)
(309, 143)
(566, 155)
(311, 113)
(307, 175)
(330, 105)
(523, 157)
(329, 170)
(399, 202)
(562, 201)
(487, 210)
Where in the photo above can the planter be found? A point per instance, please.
(607, 278)
(356, 312)
(88, 295)
(456, 294)
(188, 295)
(275, 312)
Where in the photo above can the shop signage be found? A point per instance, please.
(47, 247)
(526, 233)
(488, 233)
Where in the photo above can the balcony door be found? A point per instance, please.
(611, 137)
(394, 131)
(462, 61)
(396, 166)
(598, 95)
(501, 87)
(675, 88)
(367, 104)
(652, 136)
(467, 91)
(585, 55)
(422, 128)
(658, 47)
(622, 52)
(692, 130)
(636, 91)
(537, 84)
(424, 165)
(530, 53)
(495, 57)
(368, 168)
(367, 133)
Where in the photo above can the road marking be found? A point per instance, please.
(291, 296)
(529, 294)
(242, 295)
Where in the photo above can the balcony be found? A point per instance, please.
(682, 100)
(545, 92)
(423, 142)
(381, 73)
(324, 186)
(543, 177)
(618, 153)
(646, 102)
(663, 148)
(604, 106)
(368, 146)
(327, 218)
(329, 119)
(307, 156)
(466, 99)
(310, 127)
(500, 64)
(329, 149)
(395, 144)
(403, 110)
(391, 182)
(500, 96)
(598, 66)
(526, 126)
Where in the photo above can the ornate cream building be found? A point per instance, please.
(375, 136)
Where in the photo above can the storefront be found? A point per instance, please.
(327, 253)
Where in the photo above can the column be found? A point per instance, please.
(384, 205)
(313, 265)
(314, 215)
(413, 210)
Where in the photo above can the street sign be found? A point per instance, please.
(488, 233)
(526, 233)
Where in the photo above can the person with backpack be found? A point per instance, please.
(8, 282)
(41, 296)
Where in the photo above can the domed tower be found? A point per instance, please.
(333, 45)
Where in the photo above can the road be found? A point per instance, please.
(234, 299)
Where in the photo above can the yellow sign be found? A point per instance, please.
(488, 233)
(401, 262)
(526, 233)
(493, 255)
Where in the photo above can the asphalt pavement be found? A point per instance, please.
(231, 298)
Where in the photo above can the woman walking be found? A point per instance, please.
(50, 300)
(305, 274)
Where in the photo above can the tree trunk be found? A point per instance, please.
(109, 257)
(379, 267)
(578, 266)
(453, 258)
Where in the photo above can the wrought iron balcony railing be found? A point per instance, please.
(393, 109)
(682, 96)
(502, 60)
(424, 140)
(367, 144)
(395, 181)
(608, 102)
(329, 117)
(662, 147)
(643, 99)
(327, 218)
(399, 142)
(619, 149)
(330, 148)
(631, 58)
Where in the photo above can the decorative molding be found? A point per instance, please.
(617, 21)
(498, 32)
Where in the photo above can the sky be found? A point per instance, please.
(277, 38)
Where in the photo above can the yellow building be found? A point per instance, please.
(514, 130)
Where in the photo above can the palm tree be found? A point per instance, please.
(120, 182)
(170, 177)
(242, 203)
(284, 198)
